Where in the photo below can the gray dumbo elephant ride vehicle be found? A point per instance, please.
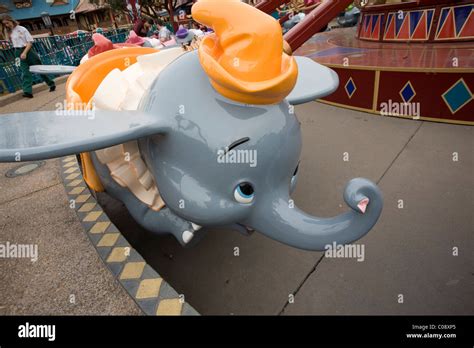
(211, 140)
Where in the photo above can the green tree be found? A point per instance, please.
(149, 8)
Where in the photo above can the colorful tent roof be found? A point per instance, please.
(39, 6)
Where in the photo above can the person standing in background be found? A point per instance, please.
(164, 32)
(23, 45)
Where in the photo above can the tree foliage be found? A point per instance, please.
(149, 7)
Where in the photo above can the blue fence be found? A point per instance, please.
(53, 50)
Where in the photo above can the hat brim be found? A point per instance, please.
(186, 39)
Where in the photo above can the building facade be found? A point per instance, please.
(66, 15)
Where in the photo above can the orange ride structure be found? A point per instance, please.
(412, 59)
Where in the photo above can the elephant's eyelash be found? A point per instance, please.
(236, 143)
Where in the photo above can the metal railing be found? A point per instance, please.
(53, 50)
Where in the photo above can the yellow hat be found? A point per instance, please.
(244, 58)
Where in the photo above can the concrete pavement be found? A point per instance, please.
(10, 98)
(409, 266)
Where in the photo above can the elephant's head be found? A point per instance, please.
(220, 162)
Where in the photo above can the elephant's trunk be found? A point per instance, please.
(279, 220)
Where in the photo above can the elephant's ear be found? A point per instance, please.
(48, 134)
(314, 81)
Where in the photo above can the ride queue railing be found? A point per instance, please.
(53, 50)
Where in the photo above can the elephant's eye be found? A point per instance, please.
(243, 193)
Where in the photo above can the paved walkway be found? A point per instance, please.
(409, 266)
(408, 255)
(68, 277)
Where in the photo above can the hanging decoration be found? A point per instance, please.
(134, 9)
